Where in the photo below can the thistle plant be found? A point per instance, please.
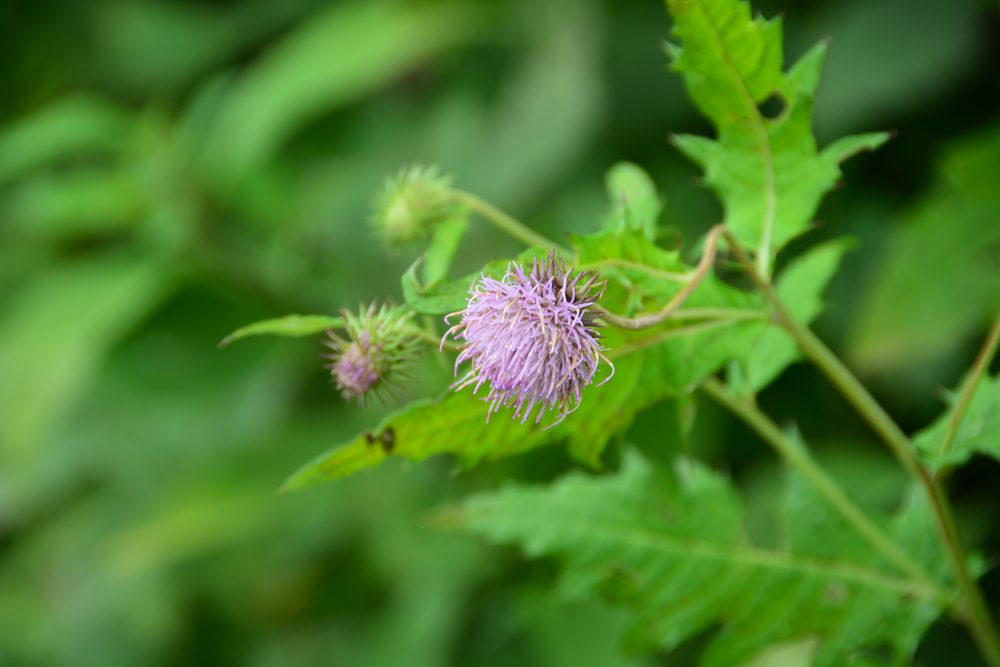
(869, 583)
(533, 337)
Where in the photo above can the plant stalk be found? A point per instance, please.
(982, 362)
(506, 223)
(799, 458)
(976, 614)
(652, 319)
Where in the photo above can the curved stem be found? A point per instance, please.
(702, 270)
(976, 614)
(502, 221)
(799, 458)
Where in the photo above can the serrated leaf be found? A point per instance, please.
(767, 171)
(978, 432)
(673, 548)
(635, 204)
(800, 286)
(847, 147)
(289, 325)
(454, 424)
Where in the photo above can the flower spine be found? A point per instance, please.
(378, 347)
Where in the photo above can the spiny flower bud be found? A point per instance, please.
(378, 347)
(532, 337)
(410, 204)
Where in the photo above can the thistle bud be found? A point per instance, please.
(410, 204)
(378, 347)
(532, 337)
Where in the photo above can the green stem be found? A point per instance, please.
(652, 319)
(976, 614)
(798, 457)
(502, 221)
(433, 339)
(982, 362)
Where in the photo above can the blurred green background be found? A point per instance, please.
(170, 171)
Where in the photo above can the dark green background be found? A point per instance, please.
(170, 171)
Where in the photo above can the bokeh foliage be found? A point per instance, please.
(170, 171)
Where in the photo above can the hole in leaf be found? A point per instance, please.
(772, 107)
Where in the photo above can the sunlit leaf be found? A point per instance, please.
(634, 200)
(764, 164)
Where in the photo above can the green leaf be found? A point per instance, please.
(289, 325)
(455, 424)
(442, 297)
(767, 170)
(796, 653)
(800, 286)
(978, 432)
(673, 548)
(444, 244)
(635, 203)
(937, 280)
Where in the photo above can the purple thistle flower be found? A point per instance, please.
(378, 346)
(532, 337)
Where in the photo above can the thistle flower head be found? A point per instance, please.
(410, 204)
(532, 337)
(378, 347)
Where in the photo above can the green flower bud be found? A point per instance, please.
(410, 204)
